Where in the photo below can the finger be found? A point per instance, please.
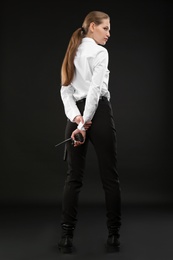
(75, 142)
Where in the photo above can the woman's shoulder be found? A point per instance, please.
(99, 49)
(91, 49)
(102, 48)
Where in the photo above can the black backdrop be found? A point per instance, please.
(34, 37)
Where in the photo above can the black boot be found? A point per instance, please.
(65, 244)
(113, 243)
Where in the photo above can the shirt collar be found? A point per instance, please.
(88, 39)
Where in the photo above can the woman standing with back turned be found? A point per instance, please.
(86, 99)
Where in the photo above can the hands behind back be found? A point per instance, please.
(79, 119)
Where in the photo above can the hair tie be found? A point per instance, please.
(82, 30)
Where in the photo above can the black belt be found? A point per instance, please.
(83, 100)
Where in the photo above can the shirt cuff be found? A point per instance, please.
(81, 127)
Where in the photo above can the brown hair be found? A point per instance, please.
(68, 69)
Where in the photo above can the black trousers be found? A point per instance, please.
(102, 134)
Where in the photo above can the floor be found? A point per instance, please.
(32, 232)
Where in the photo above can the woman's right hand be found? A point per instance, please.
(87, 125)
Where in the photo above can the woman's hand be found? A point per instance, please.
(87, 125)
(77, 131)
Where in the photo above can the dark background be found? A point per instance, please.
(34, 37)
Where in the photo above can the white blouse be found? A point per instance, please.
(90, 80)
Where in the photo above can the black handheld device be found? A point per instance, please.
(78, 137)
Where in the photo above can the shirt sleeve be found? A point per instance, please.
(99, 70)
(71, 110)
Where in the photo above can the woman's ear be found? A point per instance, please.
(92, 26)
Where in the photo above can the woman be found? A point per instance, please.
(86, 99)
